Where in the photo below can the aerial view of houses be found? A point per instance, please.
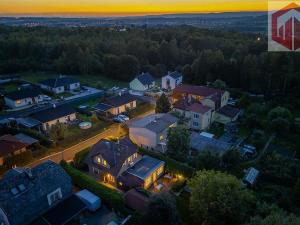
(149, 113)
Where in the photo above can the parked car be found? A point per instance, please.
(123, 117)
(47, 98)
(117, 119)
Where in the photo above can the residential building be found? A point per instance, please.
(57, 114)
(23, 98)
(60, 84)
(107, 160)
(250, 177)
(117, 104)
(171, 80)
(10, 146)
(28, 194)
(142, 82)
(226, 114)
(151, 131)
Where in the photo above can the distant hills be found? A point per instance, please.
(240, 21)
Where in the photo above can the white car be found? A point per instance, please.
(47, 98)
(123, 117)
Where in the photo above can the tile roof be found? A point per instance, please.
(53, 113)
(193, 106)
(10, 144)
(229, 111)
(119, 100)
(175, 74)
(145, 78)
(197, 90)
(114, 153)
(23, 192)
(58, 82)
(25, 93)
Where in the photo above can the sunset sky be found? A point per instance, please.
(125, 7)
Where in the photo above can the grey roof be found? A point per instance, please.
(202, 143)
(119, 100)
(114, 153)
(251, 176)
(53, 113)
(28, 122)
(229, 111)
(145, 78)
(26, 139)
(145, 166)
(24, 93)
(155, 122)
(102, 107)
(58, 82)
(175, 74)
(23, 192)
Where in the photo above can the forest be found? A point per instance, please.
(239, 59)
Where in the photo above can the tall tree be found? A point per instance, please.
(178, 145)
(162, 104)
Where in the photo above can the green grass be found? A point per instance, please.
(142, 107)
(8, 87)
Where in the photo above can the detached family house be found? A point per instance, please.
(57, 114)
(41, 195)
(22, 98)
(171, 80)
(10, 146)
(142, 82)
(60, 85)
(117, 104)
(111, 161)
(151, 131)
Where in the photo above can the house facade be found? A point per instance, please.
(57, 114)
(151, 131)
(28, 193)
(142, 82)
(22, 98)
(60, 85)
(171, 80)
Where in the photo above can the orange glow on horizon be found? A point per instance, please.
(126, 7)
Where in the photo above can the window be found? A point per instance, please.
(99, 160)
(196, 116)
(129, 159)
(160, 170)
(18, 102)
(54, 196)
(195, 124)
(104, 163)
(161, 138)
(135, 155)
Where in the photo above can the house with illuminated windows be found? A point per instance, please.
(111, 162)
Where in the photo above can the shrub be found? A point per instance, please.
(79, 159)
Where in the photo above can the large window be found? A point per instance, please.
(54, 196)
(196, 116)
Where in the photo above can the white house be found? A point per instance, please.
(142, 82)
(151, 131)
(22, 98)
(49, 117)
(60, 85)
(171, 80)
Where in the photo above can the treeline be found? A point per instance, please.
(240, 59)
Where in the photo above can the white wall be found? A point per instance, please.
(60, 120)
(143, 137)
(173, 82)
(74, 86)
(22, 102)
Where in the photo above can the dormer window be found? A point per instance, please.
(99, 160)
(104, 163)
(54, 196)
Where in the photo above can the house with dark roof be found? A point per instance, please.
(56, 114)
(227, 114)
(23, 98)
(60, 84)
(142, 82)
(26, 194)
(107, 160)
(171, 80)
(151, 131)
(10, 146)
(199, 116)
(117, 104)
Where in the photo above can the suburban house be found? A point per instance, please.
(41, 195)
(10, 146)
(22, 98)
(199, 116)
(142, 82)
(226, 114)
(171, 80)
(119, 164)
(151, 131)
(57, 114)
(60, 84)
(117, 104)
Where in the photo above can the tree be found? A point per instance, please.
(161, 210)
(280, 125)
(279, 112)
(57, 132)
(231, 159)
(162, 104)
(279, 119)
(219, 84)
(178, 145)
(219, 199)
(208, 160)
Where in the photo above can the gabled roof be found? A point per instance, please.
(26, 139)
(183, 104)
(155, 122)
(25, 93)
(197, 90)
(114, 153)
(145, 78)
(53, 113)
(120, 100)
(10, 144)
(58, 82)
(23, 192)
(229, 111)
(174, 74)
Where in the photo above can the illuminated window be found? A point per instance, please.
(104, 162)
(98, 160)
(129, 159)
(18, 102)
(160, 170)
(161, 137)
(135, 155)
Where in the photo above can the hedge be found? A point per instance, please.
(112, 198)
(171, 164)
(79, 159)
